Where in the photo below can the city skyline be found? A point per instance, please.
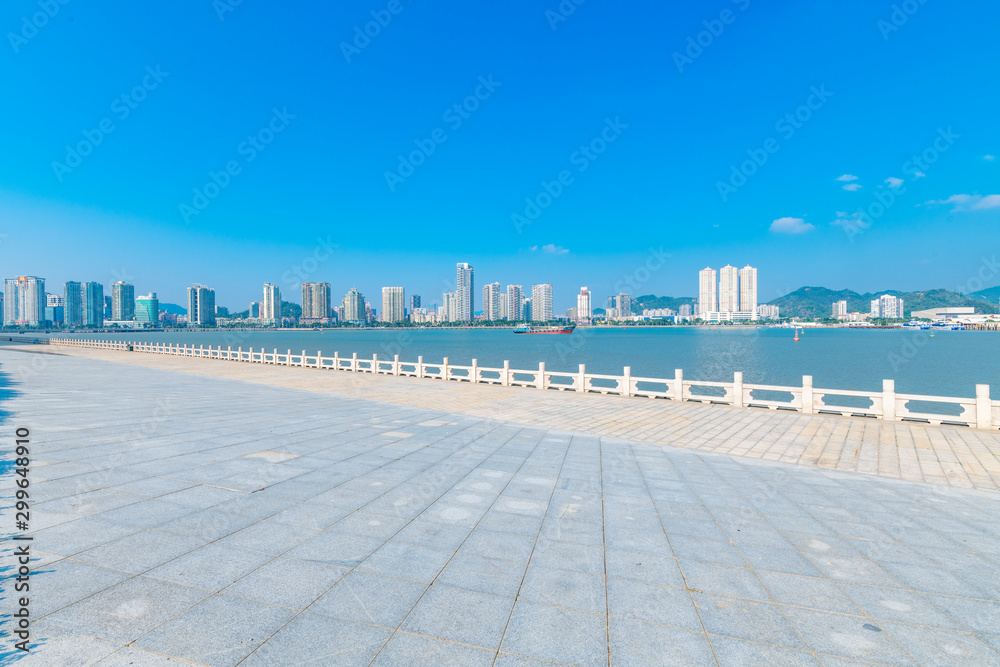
(826, 198)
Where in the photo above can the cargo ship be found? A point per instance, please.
(529, 329)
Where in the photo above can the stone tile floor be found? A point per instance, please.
(185, 519)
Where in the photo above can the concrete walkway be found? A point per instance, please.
(946, 455)
(179, 518)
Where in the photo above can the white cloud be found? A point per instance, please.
(991, 158)
(790, 226)
(919, 174)
(853, 187)
(846, 177)
(850, 220)
(554, 249)
(970, 202)
(894, 182)
(533, 248)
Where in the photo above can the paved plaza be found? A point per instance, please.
(206, 512)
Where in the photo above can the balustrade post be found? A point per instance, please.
(474, 373)
(420, 367)
(505, 374)
(336, 360)
(808, 402)
(984, 407)
(582, 387)
(678, 385)
(738, 389)
(889, 400)
(395, 364)
(444, 369)
(626, 382)
(354, 362)
(541, 375)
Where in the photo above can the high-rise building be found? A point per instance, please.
(887, 307)
(840, 309)
(623, 304)
(270, 305)
(684, 310)
(201, 306)
(515, 303)
(465, 292)
(541, 302)
(122, 302)
(450, 307)
(354, 306)
(708, 295)
(767, 312)
(72, 297)
(24, 301)
(491, 301)
(729, 294)
(147, 308)
(393, 304)
(315, 301)
(583, 309)
(748, 289)
(526, 310)
(414, 302)
(92, 299)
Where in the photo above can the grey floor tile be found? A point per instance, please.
(747, 619)
(334, 548)
(979, 616)
(71, 538)
(693, 548)
(653, 568)
(406, 650)
(854, 637)
(931, 646)
(508, 522)
(856, 571)
(207, 525)
(730, 651)
(370, 598)
(721, 579)
(564, 588)
(889, 604)
(499, 545)
(637, 644)
(146, 514)
(287, 582)
(778, 560)
(813, 592)
(219, 632)
(567, 556)
(130, 656)
(461, 616)
(128, 610)
(312, 639)
(268, 537)
(140, 551)
(65, 582)
(556, 634)
(482, 574)
(212, 567)
(53, 645)
(652, 603)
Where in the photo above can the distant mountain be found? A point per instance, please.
(817, 302)
(991, 294)
(173, 308)
(651, 302)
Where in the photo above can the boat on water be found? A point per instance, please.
(556, 329)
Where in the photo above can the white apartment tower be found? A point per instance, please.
(201, 306)
(708, 299)
(315, 301)
(393, 304)
(748, 289)
(270, 306)
(541, 302)
(729, 294)
(515, 303)
(583, 302)
(24, 301)
(840, 309)
(450, 308)
(491, 301)
(465, 283)
(887, 307)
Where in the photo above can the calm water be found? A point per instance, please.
(949, 364)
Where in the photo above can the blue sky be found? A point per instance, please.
(309, 123)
